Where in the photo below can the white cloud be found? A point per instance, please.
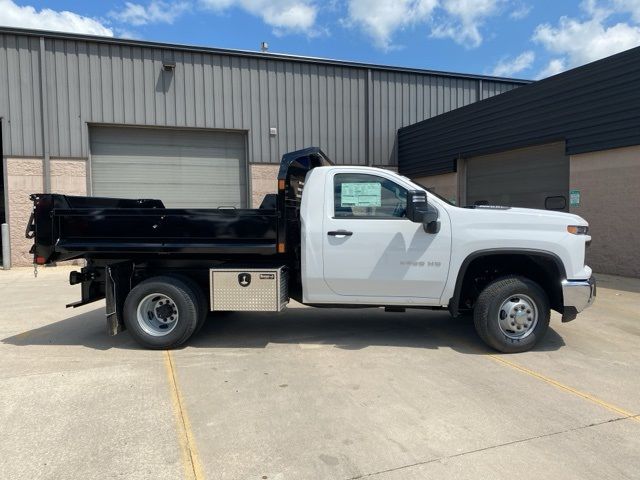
(380, 19)
(460, 20)
(578, 42)
(520, 11)
(508, 67)
(46, 19)
(464, 20)
(628, 6)
(156, 11)
(555, 66)
(283, 15)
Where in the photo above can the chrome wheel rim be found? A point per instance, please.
(518, 316)
(157, 314)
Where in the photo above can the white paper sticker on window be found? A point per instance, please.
(361, 195)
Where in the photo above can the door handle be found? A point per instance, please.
(340, 233)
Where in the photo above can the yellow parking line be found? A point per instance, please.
(561, 386)
(190, 459)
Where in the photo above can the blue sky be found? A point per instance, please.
(516, 38)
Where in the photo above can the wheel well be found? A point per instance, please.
(543, 269)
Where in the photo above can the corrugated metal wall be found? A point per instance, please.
(593, 107)
(348, 111)
(20, 96)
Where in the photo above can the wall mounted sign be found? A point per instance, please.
(574, 198)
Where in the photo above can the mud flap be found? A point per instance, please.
(117, 287)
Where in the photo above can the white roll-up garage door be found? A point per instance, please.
(533, 177)
(183, 168)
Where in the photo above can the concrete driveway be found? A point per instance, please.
(314, 394)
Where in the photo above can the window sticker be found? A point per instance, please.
(361, 195)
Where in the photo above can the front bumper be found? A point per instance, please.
(577, 295)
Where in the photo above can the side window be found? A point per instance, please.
(367, 196)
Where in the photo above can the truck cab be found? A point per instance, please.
(335, 236)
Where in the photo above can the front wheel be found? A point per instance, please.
(162, 312)
(512, 314)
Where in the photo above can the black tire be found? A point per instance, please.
(184, 298)
(486, 314)
(203, 302)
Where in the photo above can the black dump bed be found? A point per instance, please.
(66, 227)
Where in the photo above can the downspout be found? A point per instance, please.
(44, 114)
(368, 98)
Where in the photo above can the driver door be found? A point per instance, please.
(372, 250)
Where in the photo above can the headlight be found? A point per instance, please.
(578, 229)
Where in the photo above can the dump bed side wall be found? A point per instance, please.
(140, 227)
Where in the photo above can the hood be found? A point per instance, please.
(522, 215)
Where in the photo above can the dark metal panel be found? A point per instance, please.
(527, 177)
(592, 107)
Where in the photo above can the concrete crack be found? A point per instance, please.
(492, 447)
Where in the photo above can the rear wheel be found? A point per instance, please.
(512, 314)
(162, 312)
(203, 303)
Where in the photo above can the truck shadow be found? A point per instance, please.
(350, 329)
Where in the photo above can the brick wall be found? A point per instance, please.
(609, 185)
(24, 177)
(263, 180)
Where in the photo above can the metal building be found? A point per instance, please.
(193, 126)
(570, 142)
